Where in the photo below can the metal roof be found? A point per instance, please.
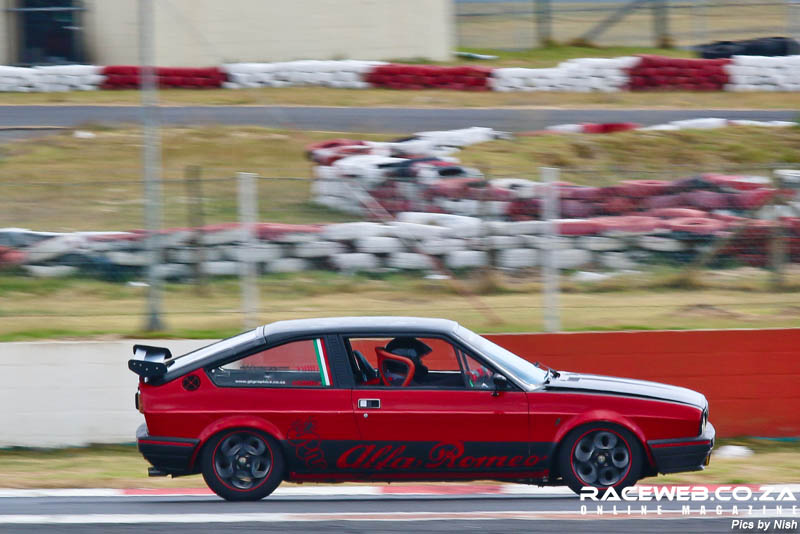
(358, 325)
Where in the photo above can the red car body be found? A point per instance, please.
(495, 417)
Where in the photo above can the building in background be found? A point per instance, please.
(210, 32)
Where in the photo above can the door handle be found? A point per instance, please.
(369, 404)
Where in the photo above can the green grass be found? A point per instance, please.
(78, 308)
(121, 466)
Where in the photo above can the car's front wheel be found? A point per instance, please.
(602, 456)
(242, 465)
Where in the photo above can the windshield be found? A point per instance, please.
(519, 367)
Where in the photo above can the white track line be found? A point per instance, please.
(523, 515)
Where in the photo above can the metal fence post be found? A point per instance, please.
(248, 213)
(661, 24)
(700, 22)
(544, 22)
(196, 219)
(793, 18)
(151, 163)
(550, 199)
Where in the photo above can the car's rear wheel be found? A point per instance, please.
(602, 456)
(242, 465)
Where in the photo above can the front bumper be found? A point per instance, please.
(172, 456)
(675, 455)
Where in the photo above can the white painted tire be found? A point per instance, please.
(287, 265)
(129, 259)
(379, 245)
(441, 246)
(221, 268)
(262, 252)
(617, 261)
(355, 261)
(173, 271)
(600, 244)
(544, 242)
(54, 247)
(410, 261)
(354, 230)
(571, 258)
(415, 231)
(317, 249)
(517, 258)
(50, 271)
(502, 242)
(190, 255)
(467, 259)
(661, 244)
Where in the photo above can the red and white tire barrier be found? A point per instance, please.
(461, 78)
(757, 73)
(665, 73)
(627, 73)
(582, 75)
(51, 79)
(709, 123)
(129, 77)
(345, 74)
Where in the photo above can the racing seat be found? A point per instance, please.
(368, 374)
(395, 370)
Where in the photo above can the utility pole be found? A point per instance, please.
(151, 162)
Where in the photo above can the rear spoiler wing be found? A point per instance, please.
(149, 362)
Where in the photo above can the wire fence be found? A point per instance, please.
(587, 227)
(524, 24)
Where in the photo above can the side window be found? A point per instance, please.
(294, 364)
(478, 375)
(405, 361)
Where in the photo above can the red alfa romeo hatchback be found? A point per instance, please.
(401, 398)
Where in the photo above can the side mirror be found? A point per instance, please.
(500, 384)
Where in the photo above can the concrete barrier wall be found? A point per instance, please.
(73, 393)
(54, 394)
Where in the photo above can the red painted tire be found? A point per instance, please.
(696, 225)
(742, 183)
(646, 188)
(600, 455)
(242, 464)
(578, 227)
(751, 200)
(709, 200)
(635, 224)
(675, 213)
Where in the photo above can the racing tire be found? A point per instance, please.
(242, 464)
(600, 455)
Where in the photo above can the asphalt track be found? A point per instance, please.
(393, 120)
(207, 514)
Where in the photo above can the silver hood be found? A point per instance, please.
(625, 386)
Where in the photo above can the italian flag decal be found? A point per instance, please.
(324, 375)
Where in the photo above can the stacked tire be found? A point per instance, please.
(129, 77)
(666, 73)
(398, 76)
